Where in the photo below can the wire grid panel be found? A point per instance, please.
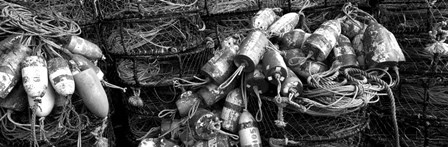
(309, 130)
(140, 125)
(418, 58)
(82, 12)
(12, 135)
(232, 6)
(161, 71)
(160, 36)
(418, 104)
(405, 17)
(118, 9)
(239, 25)
(274, 4)
(316, 16)
(155, 99)
(297, 5)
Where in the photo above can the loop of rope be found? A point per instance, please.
(229, 81)
(259, 114)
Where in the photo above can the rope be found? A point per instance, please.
(31, 24)
(229, 81)
(259, 114)
(280, 122)
(391, 96)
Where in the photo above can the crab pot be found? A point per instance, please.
(200, 123)
(233, 107)
(210, 93)
(221, 66)
(251, 50)
(257, 78)
(263, 19)
(344, 53)
(186, 101)
(381, 46)
(293, 39)
(323, 40)
(292, 84)
(308, 68)
(273, 66)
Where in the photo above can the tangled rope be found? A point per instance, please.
(145, 71)
(17, 19)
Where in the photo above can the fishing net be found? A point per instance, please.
(307, 130)
(82, 12)
(141, 127)
(299, 4)
(239, 25)
(87, 127)
(156, 36)
(231, 6)
(116, 9)
(160, 71)
(421, 110)
(274, 4)
(154, 100)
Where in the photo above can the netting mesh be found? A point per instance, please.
(82, 12)
(155, 99)
(159, 36)
(230, 6)
(160, 71)
(12, 135)
(421, 110)
(310, 130)
(233, 25)
(114, 9)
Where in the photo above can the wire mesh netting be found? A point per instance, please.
(82, 12)
(421, 107)
(160, 71)
(12, 134)
(239, 25)
(158, 36)
(116, 9)
(155, 99)
(231, 6)
(405, 17)
(307, 130)
(274, 4)
(139, 126)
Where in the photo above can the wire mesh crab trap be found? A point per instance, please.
(142, 127)
(150, 100)
(118, 9)
(82, 12)
(161, 70)
(156, 36)
(405, 17)
(81, 127)
(232, 6)
(421, 108)
(307, 130)
(233, 25)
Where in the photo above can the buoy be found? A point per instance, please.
(89, 88)
(248, 131)
(274, 67)
(233, 107)
(344, 53)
